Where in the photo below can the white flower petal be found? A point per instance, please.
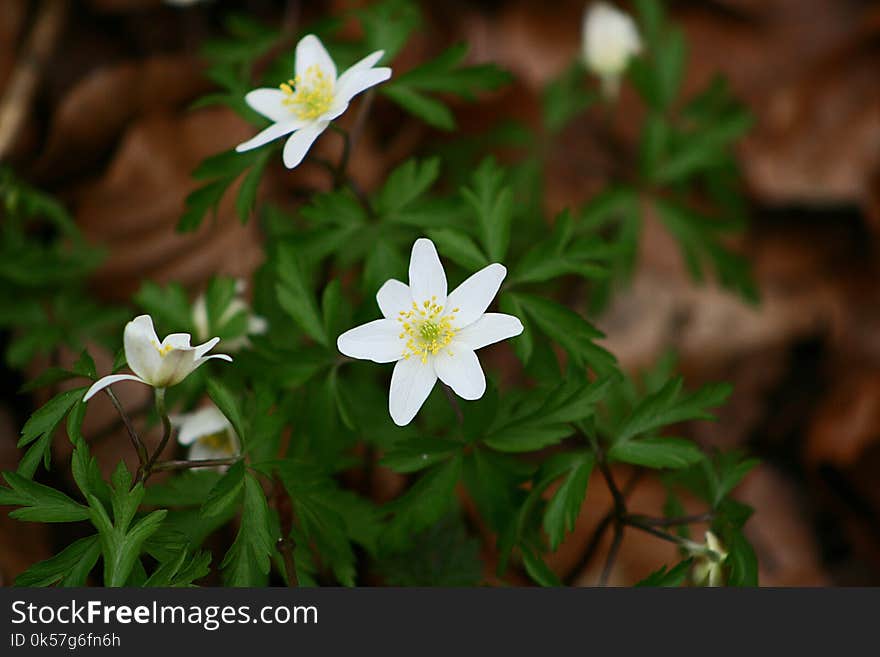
(271, 133)
(362, 65)
(411, 383)
(204, 348)
(490, 328)
(474, 295)
(203, 422)
(225, 357)
(142, 347)
(174, 367)
(102, 383)
(393, 297)
(353, 83)
(178, 341)
(378, 341)
(337, 108)
(426, 276)
(462, 372)
(269, 103)
(300, 142)
(311, 52)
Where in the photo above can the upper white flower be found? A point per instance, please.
(208, 434)
(158, 364)
(256, 325)
(431, 335)
(306, 104)
(610, 39)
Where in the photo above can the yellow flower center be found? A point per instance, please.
(426, 330)
(218, 441)
(163, 351)
(310, 95)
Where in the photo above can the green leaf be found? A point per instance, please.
(459, 248)
(248, 561)
(742, 561)
(556, 256)
(121, 541)
(419, 453)
(187, 489)
(247, 193)
(41, 426)
(538, 570)
(550, 422)
(70, 567)
(431, 111)
(182, 570)
(442, 74)
(566, 97)
(702, 149)
(339, 207)
(387, 25)
(569, 329)
(405, 184)
(669, 406)
(199, 202)
(226, 493)
(565, 505)
(423, 504)
(492, 202)
(39, 503)
(668, 577)
(296, 297)
(657, 452)
(229, 406)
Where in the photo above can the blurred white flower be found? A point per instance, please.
(208, 434)
(157, 364)
(610, 39)
(305, 105)
(256, 325)
(708, 568)
(430, 335)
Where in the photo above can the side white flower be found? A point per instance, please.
(430, 335)
(305, 105)
(157, 364)
(610, 39)
(708, 569)
(256, 325)
(207, 433)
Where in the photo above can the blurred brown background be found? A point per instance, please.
(106, 127)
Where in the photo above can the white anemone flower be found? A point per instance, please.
(610, 40)
(305, 105)
(256, 325)
(430, 334)
(208, 434)
(158, 364)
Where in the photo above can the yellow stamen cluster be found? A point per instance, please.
(218, 441)
(310, 95)
(426, 329)
(163, 351)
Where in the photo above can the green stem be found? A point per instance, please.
(160, 466)
(136, 441)
(145, 471)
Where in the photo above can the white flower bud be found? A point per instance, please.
(610, 39)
